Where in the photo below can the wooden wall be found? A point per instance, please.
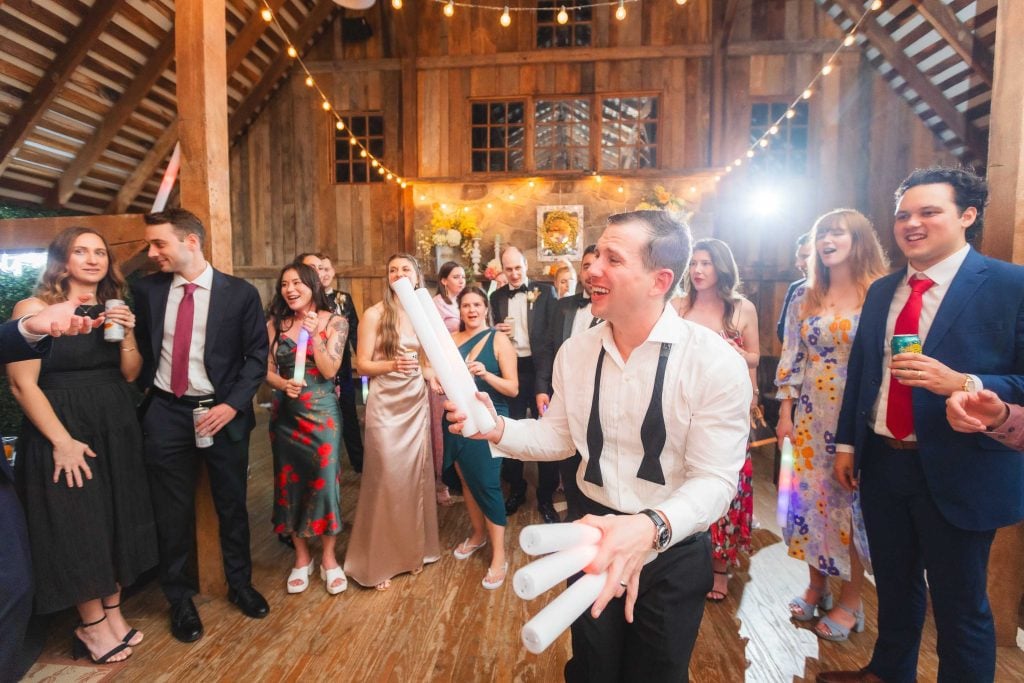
(420, 70)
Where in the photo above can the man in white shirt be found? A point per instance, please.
(203, 339)
(662, 462)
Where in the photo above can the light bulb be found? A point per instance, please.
(375, 163)
(826, 70)
(693, 188)
(380, 171)
(340, 125)
(790, 113)
(597, 179)
(621, 189)
(750, 154)
(718, 178)
(850, 39)
(352, 141)
(763, 142)
(680, 2)
(806, 94)
(505, 20)
(876, 5)
(397, 4)
(309, 81)
(531, 183)
(267, 15)
(362, 153)
(389, 176)
(449, 9)
(563, 16)
(404, 184)
(774, 130)
(620, 11)
(326, 105)
(738, 163)
(292, 52)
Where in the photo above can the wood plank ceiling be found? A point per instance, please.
(88, 103)
(938, 56)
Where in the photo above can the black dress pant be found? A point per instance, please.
(657, 645)
(349, 419)
(521, 406)
(172, 464)
(15, 577)
(910, 538)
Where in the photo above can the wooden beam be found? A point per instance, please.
(907, 68)
(974, 53)
(144, 171)
(248, 36)
(53, 79)
(323, 11)
(37, 233)
(115, 119)
(719, 54)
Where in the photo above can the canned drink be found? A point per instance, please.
(906, 343)
(112, 332)
(201, 441)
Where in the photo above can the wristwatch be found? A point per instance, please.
(662, 535)
(969, 384)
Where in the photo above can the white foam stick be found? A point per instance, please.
(540, 539)
(440, 331)
(538, 633)
(454, 377)
(540, 575)
(300, 356)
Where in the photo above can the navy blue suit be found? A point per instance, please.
(936, 509)
(15, 560)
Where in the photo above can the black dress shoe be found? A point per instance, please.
(547, 512)
(249, 601)
(185, 623)
(513, 502)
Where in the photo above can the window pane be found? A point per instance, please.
(377, 148)
(479, 113)
(341, 173)
(359, 173)
(497, 113)
(497, 137)
(479, 162)
(497, 161)
(376, 125)
(357, 126)
(479, 137)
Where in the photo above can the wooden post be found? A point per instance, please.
(1004, 238)
(200, 50)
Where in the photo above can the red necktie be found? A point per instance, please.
(182, 341)
(899, 414)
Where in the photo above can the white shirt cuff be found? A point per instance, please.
(30, 337)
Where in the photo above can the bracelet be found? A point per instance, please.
(130, 348)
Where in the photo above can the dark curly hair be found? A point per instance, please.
(969, 189)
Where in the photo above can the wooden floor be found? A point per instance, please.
(441, 625)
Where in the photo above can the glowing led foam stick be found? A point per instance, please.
(785, 483)
(300, 356)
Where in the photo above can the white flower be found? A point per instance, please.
(439, 238)
(454, 237)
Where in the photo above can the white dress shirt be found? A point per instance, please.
(942, 274)
(581, 323)
(199, 383)
(706, 403)
(518, 308)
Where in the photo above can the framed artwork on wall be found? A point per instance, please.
(560, 232)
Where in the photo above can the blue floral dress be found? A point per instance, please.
(824, 518)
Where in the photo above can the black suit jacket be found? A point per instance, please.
(780, 326)
(539, 319)
(14, 348)
(236, 340)
(566, 310)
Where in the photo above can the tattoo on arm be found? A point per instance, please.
(340, 326)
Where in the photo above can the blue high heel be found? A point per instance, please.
(807, 608)
(837, 632)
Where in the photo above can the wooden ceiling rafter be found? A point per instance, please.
(929, 94)
(145, 170)
(944, 21)
(158, 63)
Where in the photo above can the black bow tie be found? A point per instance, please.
(512, 291)
(582, 302)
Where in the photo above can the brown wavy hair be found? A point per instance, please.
(53, 283)
(727, 285)
(867, 260)
(389, 336)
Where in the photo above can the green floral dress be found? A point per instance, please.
(305, 434)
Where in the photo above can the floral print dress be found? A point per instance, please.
(824, 518)
(304, 436)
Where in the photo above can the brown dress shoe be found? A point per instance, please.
(862, 676)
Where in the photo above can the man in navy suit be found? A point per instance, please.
(932, 498)
(204, 342)
(532, 309)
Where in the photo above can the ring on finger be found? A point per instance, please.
(623, 584)
(920, 374)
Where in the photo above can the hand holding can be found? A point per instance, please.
(112, 331)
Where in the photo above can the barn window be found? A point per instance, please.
(498, 136)
(575, 32)
(787, 151)
(349, 165)
(562, 134)
(629, 133)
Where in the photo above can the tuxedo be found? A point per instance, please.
(235, 361)
(343, 305)
(780, 326)
(935, 508)
(539, 319)
(16, 567)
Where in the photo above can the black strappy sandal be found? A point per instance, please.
(128, 636)
(717, 595)
(80, 649)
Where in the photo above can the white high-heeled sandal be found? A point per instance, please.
(329, 576)
(300, 574)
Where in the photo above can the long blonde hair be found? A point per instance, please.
(389, 335)
(867, 260)
(53, 284)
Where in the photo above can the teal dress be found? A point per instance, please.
(481, 472)
(305, 434)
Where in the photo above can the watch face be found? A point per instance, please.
(663, 537)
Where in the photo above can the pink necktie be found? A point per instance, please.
(182, 341)
(899, 413)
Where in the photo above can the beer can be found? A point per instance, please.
(112, 332)
(201, 441)
(906, 343)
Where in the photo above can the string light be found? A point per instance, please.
(849, 40)
(292, 52)
(620, 11)
(267, 14)
(449, 8)
(876, 5)
(563, 16)
(505, 20)
(326, 105)
(309, 81)
(764, 142)
(397, 4)
(681, 3)
(826, 70)
(806, 94)
(340, 125)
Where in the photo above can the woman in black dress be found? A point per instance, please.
(80, 466)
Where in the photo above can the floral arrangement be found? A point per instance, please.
(492, 269)
(661, 199)
(456, 228)
(561, 230)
